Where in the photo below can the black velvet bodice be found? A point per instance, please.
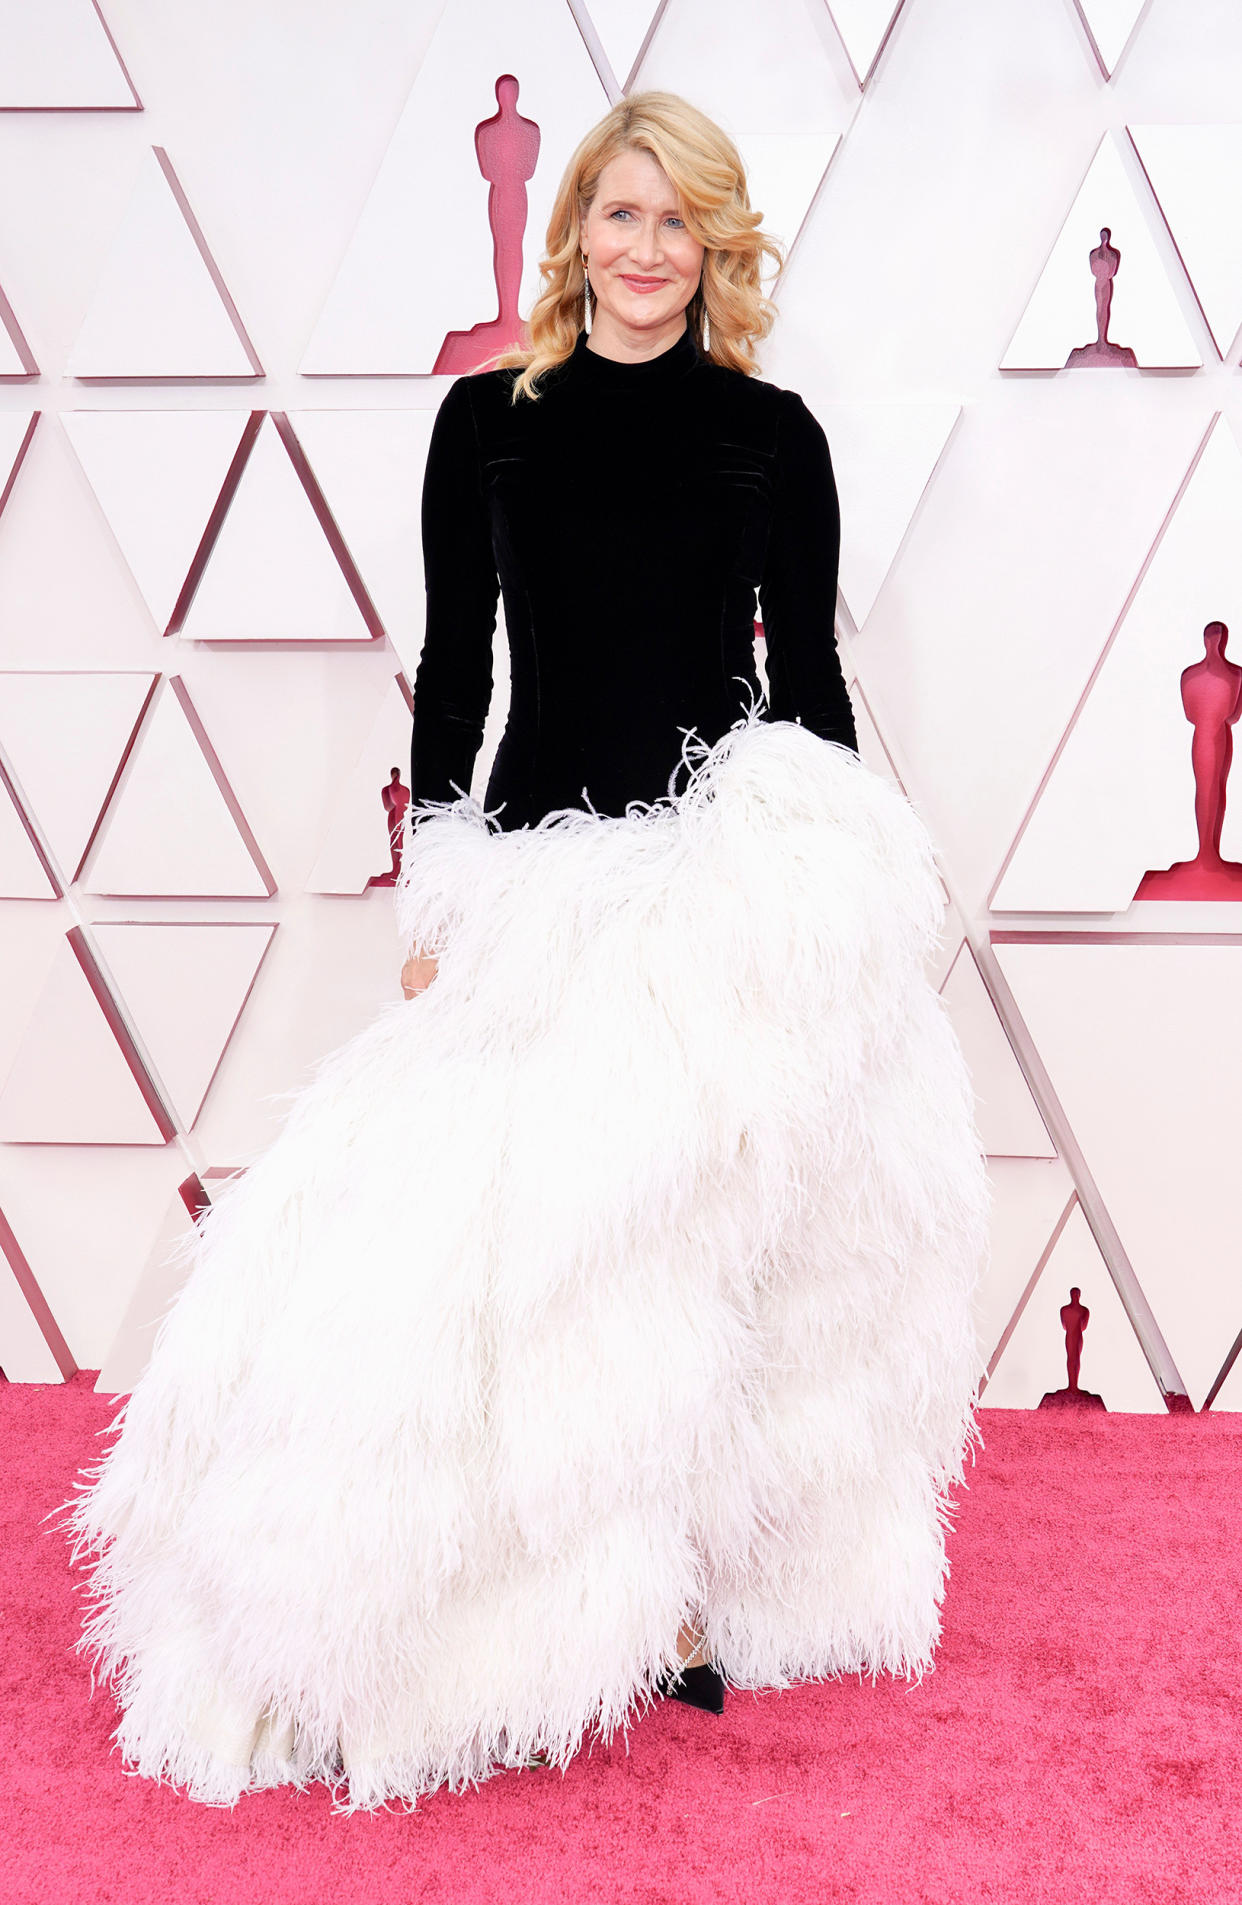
(628, 517)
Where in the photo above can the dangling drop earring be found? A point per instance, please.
(586, 297)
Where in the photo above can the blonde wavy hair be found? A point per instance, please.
(728, 313)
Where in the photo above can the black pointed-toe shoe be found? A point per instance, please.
(700, 1687)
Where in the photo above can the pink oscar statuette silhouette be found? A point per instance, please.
(1104, 260)
(396, 799)
(1212, 699)
(507, 148)
(1074, 1319)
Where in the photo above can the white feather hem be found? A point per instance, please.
(627, 1275)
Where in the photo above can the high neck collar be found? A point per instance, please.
(664, 367)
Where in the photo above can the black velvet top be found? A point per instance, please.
(628, 516)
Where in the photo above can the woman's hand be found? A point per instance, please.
(417, 974)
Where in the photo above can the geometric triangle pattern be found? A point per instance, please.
(17, 427)
(173, 826)
(1103, 302)
(157, 475)
(1008, 1118)
(1119, 798)
(1032, 1361)
(1109, 24)
(32, 1348)
(1030, 567)
(182, 987)
(387, 314)
(364, 828)
(368, 465)
(24, 872)
(72, 1079)
(64, 787)
(1195, 173)
(786, 170)
(864, 26)
(1152, 1100)
(623, 28)
(16, 364)
(271, 573)
(60, 55)
(884, 456)
(160, 308)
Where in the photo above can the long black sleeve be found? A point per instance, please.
(453, 680)
(798, 592)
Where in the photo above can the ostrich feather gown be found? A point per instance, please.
(626, 1275)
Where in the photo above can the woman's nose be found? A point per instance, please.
(646, 247)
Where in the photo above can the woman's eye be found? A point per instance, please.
(622, 213)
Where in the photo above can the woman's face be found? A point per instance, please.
(643, 264)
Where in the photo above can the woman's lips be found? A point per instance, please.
(642, 284)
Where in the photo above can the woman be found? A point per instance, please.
(600, 1323)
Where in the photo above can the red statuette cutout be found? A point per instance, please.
(1212, 699)
(507, 146)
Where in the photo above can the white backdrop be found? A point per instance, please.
(232, 242)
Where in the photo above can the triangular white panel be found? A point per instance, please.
(1009, 1120)
(1034, 1360)
(87, 1215)
(1119, 799)
(393, 302)
(783, 172)
(170, 827)
(864, 26)
(1140, 1046)
(59, 54)
(1144, 317)
(69, 1082)
(160, 308)
(319, 986)
(271, 575)
(622, 26)
(883, 457)
(1109, 24)
(64, 737)
(1196, 175)
(182, 987)
(356, 842)
(23, 875)
(369, 464)
(157, 475)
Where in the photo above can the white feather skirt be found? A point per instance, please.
(625, 1276)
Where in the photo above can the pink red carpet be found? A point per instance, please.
(1079, 1739)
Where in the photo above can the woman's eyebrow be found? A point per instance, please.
(612, 204)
